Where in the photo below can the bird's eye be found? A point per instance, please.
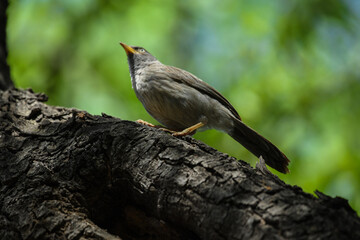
(141, 50)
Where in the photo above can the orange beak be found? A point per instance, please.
(128, 49)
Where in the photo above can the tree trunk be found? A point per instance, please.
(66, 174)
(5, 81)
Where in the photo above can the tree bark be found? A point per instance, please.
(66, 174)
(5, 81)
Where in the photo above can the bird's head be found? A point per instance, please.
(137, 55)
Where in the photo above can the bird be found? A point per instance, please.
(183, 104)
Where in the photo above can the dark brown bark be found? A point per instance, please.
(66, 174)
(5, 81)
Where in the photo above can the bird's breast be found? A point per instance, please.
(139, 81)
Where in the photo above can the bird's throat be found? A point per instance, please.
(131, 67)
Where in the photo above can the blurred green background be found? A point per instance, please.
(290, 67)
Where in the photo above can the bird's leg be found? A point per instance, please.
(154, 126)
(189, 130)
(167, 130)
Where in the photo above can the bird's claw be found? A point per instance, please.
(145, 123)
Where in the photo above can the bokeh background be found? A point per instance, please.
(290, 67)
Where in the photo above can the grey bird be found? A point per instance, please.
(184, 103)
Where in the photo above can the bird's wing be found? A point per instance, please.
(185, 77)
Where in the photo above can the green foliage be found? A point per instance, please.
(291, 69)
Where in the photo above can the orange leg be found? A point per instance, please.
(167, 130)
(189, 130)
(145, 123)
(154, 126)
(186, 131)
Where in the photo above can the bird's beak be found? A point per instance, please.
(128, 49)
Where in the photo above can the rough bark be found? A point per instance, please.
(66, 174)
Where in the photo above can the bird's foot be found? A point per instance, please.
(189, 131)
(154, 126)
(145, 123)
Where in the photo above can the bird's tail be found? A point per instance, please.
(259, 146)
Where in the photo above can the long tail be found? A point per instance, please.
(259, 145)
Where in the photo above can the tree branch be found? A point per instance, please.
(5, 81)
(66, 174)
